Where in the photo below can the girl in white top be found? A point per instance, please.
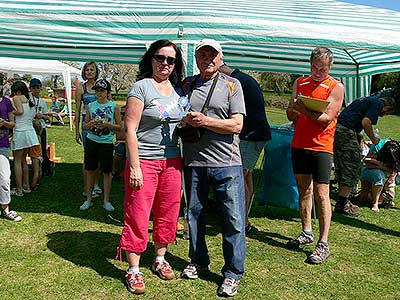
(24, 135)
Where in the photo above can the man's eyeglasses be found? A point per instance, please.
(161, 58)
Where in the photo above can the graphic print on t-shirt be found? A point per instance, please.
(101, 115)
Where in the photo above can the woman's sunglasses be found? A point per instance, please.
(161, 58)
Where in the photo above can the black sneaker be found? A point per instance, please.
(347, 208)
(319, 255)
(228, 288)
(302, 240)
(193, 270)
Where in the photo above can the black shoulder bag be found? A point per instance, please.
(188, 133)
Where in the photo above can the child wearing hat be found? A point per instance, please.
(103, 118)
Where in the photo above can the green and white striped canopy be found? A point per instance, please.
(262, 35)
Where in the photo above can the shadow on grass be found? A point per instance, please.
(62, 194)
(91, 249)
(356, 222)
(272, 239)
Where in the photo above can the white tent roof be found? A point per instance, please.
(35, 66)
(40, 66)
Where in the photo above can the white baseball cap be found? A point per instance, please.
(211, 43)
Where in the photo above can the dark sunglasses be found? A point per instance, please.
(161, 58)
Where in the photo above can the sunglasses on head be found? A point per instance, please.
(161, 58)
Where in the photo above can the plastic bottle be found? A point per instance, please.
(376, 132)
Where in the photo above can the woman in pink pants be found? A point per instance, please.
(153, 169)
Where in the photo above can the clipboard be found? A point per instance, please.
(313, 103)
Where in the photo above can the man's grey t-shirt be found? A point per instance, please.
(157, 139)
(215, 149)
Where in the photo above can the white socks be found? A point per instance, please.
(133, 270)
(159, 258)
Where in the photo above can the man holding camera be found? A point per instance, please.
(214, 161)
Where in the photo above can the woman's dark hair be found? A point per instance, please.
(145, 66)
(89, 63)
(390, 154)
(20, 86)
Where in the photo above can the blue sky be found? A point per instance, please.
(388, 4)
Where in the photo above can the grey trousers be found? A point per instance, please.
(5, 174)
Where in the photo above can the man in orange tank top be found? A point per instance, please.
(312, 149)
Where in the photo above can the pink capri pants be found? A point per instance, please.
(161, 192)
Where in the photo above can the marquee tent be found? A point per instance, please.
(263, 35)
(41, 67)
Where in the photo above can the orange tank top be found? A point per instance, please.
(308, 134)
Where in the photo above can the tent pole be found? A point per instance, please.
(357, 64)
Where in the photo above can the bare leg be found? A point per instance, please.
(35, 171)
(323, 204)
(376, 192)
(90, 184)
(118, 165)
(304, 183)
(107, 186)
(25, 171)
(6, 208)
(133, 259)
(365, 189)
(96, 177)
(160, 249)
(18, 156)
(84, 173)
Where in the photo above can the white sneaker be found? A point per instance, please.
(97, 190)
(86, 205)
(94, 195)
(108, 206)
(12, 215)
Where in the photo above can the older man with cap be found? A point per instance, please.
(214, 161)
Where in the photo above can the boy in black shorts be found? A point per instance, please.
(103, 117)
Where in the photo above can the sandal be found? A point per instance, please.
(26, 190)
(15, 192)
(12, 216)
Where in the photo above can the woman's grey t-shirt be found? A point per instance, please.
(157, 139)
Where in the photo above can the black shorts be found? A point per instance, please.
(96, 153)
(315, 163)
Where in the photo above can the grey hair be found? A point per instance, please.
(321, 53)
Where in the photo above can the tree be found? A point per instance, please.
(26, 77)
(385, 80)
(278, 82)
(121, 76)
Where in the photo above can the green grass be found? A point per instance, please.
(59, 252)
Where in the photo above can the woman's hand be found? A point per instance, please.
(135, 178)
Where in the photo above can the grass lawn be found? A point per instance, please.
(59, 252)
